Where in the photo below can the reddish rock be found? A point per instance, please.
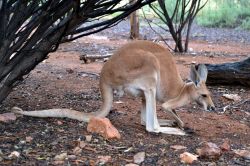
(209, 150)
(188, 158)
(6, 117)
(226, 145)
(103, 127)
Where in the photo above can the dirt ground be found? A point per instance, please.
(63, 81)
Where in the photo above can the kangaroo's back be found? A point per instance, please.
(142, 57)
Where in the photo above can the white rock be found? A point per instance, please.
(139, 157)
(88, 138)
(61, 156)
(14, 154)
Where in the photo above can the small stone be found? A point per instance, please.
(7, 117)
(70, 71)
(14, 154)
(226, 145)
(103, 160)
(139, 157)
(178, 147)
(61, 157)
(103, 127)
(88, 138)
(188, 158)
(163, 142)
(77, 150)
(59, 122)
(243, 153)
(28, 139)
(72, 157)
(82, 144)
(209, 150)
(22, 142)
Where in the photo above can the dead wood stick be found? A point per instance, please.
(92, 58)
(233, 105)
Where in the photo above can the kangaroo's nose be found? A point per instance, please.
(211, 108)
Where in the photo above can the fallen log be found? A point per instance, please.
(236, 73)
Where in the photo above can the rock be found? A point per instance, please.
(178, 147)
(103, 127)
(81, 144)
(69, 70)
(77, 150)
(243, 153)
(28, 139)
(139, 157)
(103, 160)
(72, 157)
(7, 117)
(226, 145)
(88, 138)
(188, 158)
(59, 122)
(14, 154)
(209, 150)
(61, 157)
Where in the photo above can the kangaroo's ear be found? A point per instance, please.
(194, 76)
(202, 71)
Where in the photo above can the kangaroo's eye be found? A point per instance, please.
(204, 95)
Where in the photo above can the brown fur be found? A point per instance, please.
(144, 69)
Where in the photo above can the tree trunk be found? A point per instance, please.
(237, 73)
(26, 38)
(134, 24)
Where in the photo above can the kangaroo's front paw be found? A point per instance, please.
(16, 110)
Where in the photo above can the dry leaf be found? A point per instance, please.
(234, 97)
(243, 153)
(178, 147)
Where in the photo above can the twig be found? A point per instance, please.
(233, 106)
(155, 30)
(90, 74)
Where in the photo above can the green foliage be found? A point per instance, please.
(225, 13)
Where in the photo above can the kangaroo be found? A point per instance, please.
(147, 70)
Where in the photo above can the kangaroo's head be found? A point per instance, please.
(199, 92)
